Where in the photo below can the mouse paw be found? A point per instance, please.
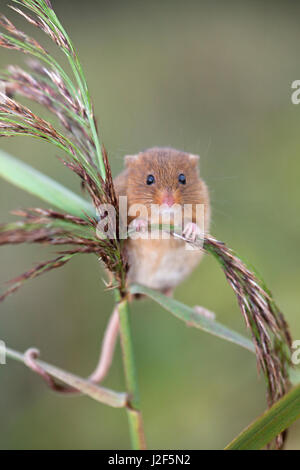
(191, 231)
(139, 225)
(204, 312)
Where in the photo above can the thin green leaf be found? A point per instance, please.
(25, 177)
(274, 421)
(192, 318)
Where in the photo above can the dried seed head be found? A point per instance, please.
(268, 327)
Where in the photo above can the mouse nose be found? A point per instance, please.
(168, 198)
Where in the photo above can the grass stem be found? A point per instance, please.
(133, 408)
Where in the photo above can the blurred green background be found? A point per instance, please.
(213, 78)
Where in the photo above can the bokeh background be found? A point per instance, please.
(213, 78)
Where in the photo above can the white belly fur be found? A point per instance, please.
(160, 264)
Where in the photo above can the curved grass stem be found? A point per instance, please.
(101, 394)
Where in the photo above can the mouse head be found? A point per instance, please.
(163, 176)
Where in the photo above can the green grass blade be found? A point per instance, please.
(263, 430)
(25, 177)
(192, 318)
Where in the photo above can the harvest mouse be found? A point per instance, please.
(168, 178)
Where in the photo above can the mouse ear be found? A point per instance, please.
(130, 159)
(194, 158)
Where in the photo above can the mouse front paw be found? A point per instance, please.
(191, 231)
(139, 225)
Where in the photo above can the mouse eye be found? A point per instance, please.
(150, 179)
(181, 178)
